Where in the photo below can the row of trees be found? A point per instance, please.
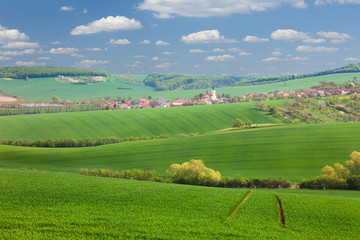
(238, 124)
(193, 172)
(37, 72)
(337, 177)
(72, 142)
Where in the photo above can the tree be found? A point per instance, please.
(237, 123)
(55, 98)
(194, 172)
(354, 164)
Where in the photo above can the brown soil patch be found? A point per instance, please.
(6, 98)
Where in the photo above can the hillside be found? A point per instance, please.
(127, 123)
(292, 152)
(162, 82)
(48, 205)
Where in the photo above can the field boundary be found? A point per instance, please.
(238, 206)
(281, 212)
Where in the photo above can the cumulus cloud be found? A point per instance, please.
(90, 63)
(119, 42)
(333, 35)
(43, 58)
(109, 24)
(323, 2)
(352, 59)
(66, 8)
(271, 59)
(255, 39)
(21, 45)
(63, 50)
(155, 59)
(29, 64)
(213, 8)
(145, 42)
(11, 35)
(289, 35)
(18, 53)
(316, 49)
(207, 36)
(313, 40)
(235, 50)
(338, 40)
(167, 53)
(244, 53)
(162, 43)
(220, 58)
(197, 50)
(2, 58)
(218, 50)
(164, 65)
(298, 59)
(95, 49)
(276, 53)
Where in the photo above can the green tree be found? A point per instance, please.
(55, 98)
(237, 123)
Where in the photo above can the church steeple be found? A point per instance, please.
(213, 94)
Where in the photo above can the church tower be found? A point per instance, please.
(213, 94)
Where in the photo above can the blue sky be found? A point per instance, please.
(228, 37)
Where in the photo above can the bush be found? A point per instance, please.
(193, 173)
(353, 182)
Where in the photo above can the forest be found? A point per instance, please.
(38, 72)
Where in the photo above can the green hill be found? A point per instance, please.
(292, 152)
(48, 205)
(126, 123)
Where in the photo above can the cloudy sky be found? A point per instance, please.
(231, 37)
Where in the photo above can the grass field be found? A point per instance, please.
(292, 152)
(49, 205)
(126, 123)
(45, 88)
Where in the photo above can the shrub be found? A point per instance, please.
(353, 182)
(193, 173)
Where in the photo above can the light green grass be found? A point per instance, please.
(48, 205)
(45, 88)
(126, 123)
(292, 152)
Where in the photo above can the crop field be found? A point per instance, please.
(52, 205)
(45, 88)
(292, 152)
(127, 123)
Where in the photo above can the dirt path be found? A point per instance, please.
(6, 98)
(237, 207)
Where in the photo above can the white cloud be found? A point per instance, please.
(313, 40)
(77, 55)
(138, 56)
(63, 50)
(162, 43)
(2, 58)
(316, 49)
(11, 35)
(29, 64)
(43, 58)
(271, 59)
(212, 8)
(255, 39)
(109, 24)
(333, 35)
(352, 59)
(207, 36)
(220, 58)
(155, 59)
(167, 53)
(55, 42)
(323, 2)
(18, 53)
(66, 8)
(119, 42)
(289, 35)
(21, 45)
(197, 50)
(235, 50)
(298, 59)
(244, 54)
(145, 42)
(85, 11)
(89, 63)
(276, 53)
(95, 49)
(338, 40)
(164, 65)
(218, 50)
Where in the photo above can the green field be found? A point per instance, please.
(292, 152)
(45, 88)
(126, 123)
(49, 205)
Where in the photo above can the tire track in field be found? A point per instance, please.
(237, 207)
(281, 212)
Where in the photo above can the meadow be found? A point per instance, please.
(45, 88)
(291, 152)
(49, 205)
(127, 123)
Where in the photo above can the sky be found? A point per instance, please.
(227, 37)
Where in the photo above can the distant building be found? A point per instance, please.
(213, 94)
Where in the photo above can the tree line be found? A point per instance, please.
(38, 72)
